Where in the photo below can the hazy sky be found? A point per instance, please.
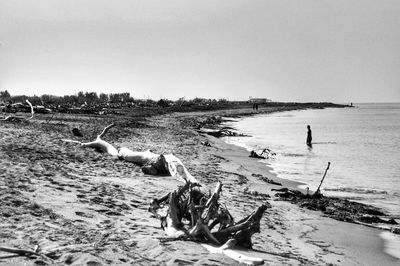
(289, 50)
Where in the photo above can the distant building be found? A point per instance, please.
(258, 100)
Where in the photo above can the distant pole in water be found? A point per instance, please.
(309, 136)
(326, 170)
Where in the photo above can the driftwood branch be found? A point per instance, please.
(227, 250)
(212, 204)
(19, 119)
(98, 143)
(222, 132)
(71, 141)
(20, 252)
(317, 192)
(105, 130)
(32, 111)
(45, 254)
(73, 247)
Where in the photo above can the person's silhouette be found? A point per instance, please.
(309, 137)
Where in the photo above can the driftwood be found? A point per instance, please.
(222, 132)
(318, 192)
(27, 253)
(151, 163)
(20, 252)
(47, 254)
(206, 143)
(20, 119)
(264, 154)
(192, 215)
(226, 249)
(266, 179)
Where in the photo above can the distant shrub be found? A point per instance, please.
(163, 103)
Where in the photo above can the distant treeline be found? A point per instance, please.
(93, 103)
(82, 99)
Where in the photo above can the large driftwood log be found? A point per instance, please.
(151, 163)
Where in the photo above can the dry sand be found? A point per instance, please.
(88, 208)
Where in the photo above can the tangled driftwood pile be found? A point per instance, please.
(189, 214)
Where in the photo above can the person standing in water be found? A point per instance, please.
(309, 137)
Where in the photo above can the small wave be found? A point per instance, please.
(353, 198)
(357, 190)
(296, 173)
(325, 142)
(288, 173)
(391, 244)
(293, 154)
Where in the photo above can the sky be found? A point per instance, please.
(286, 50)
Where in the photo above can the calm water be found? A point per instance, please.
(362, 144)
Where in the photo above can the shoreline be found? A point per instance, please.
(60, 194)
(376, 230)
(236, 140)
(322, 226)
(391, 241)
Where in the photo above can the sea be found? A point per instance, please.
(361, 143)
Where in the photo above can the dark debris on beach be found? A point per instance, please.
(336, 208)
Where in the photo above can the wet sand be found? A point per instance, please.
(87, 208)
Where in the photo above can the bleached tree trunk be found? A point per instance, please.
(152, 163)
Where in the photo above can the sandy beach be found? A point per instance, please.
(91, 209)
